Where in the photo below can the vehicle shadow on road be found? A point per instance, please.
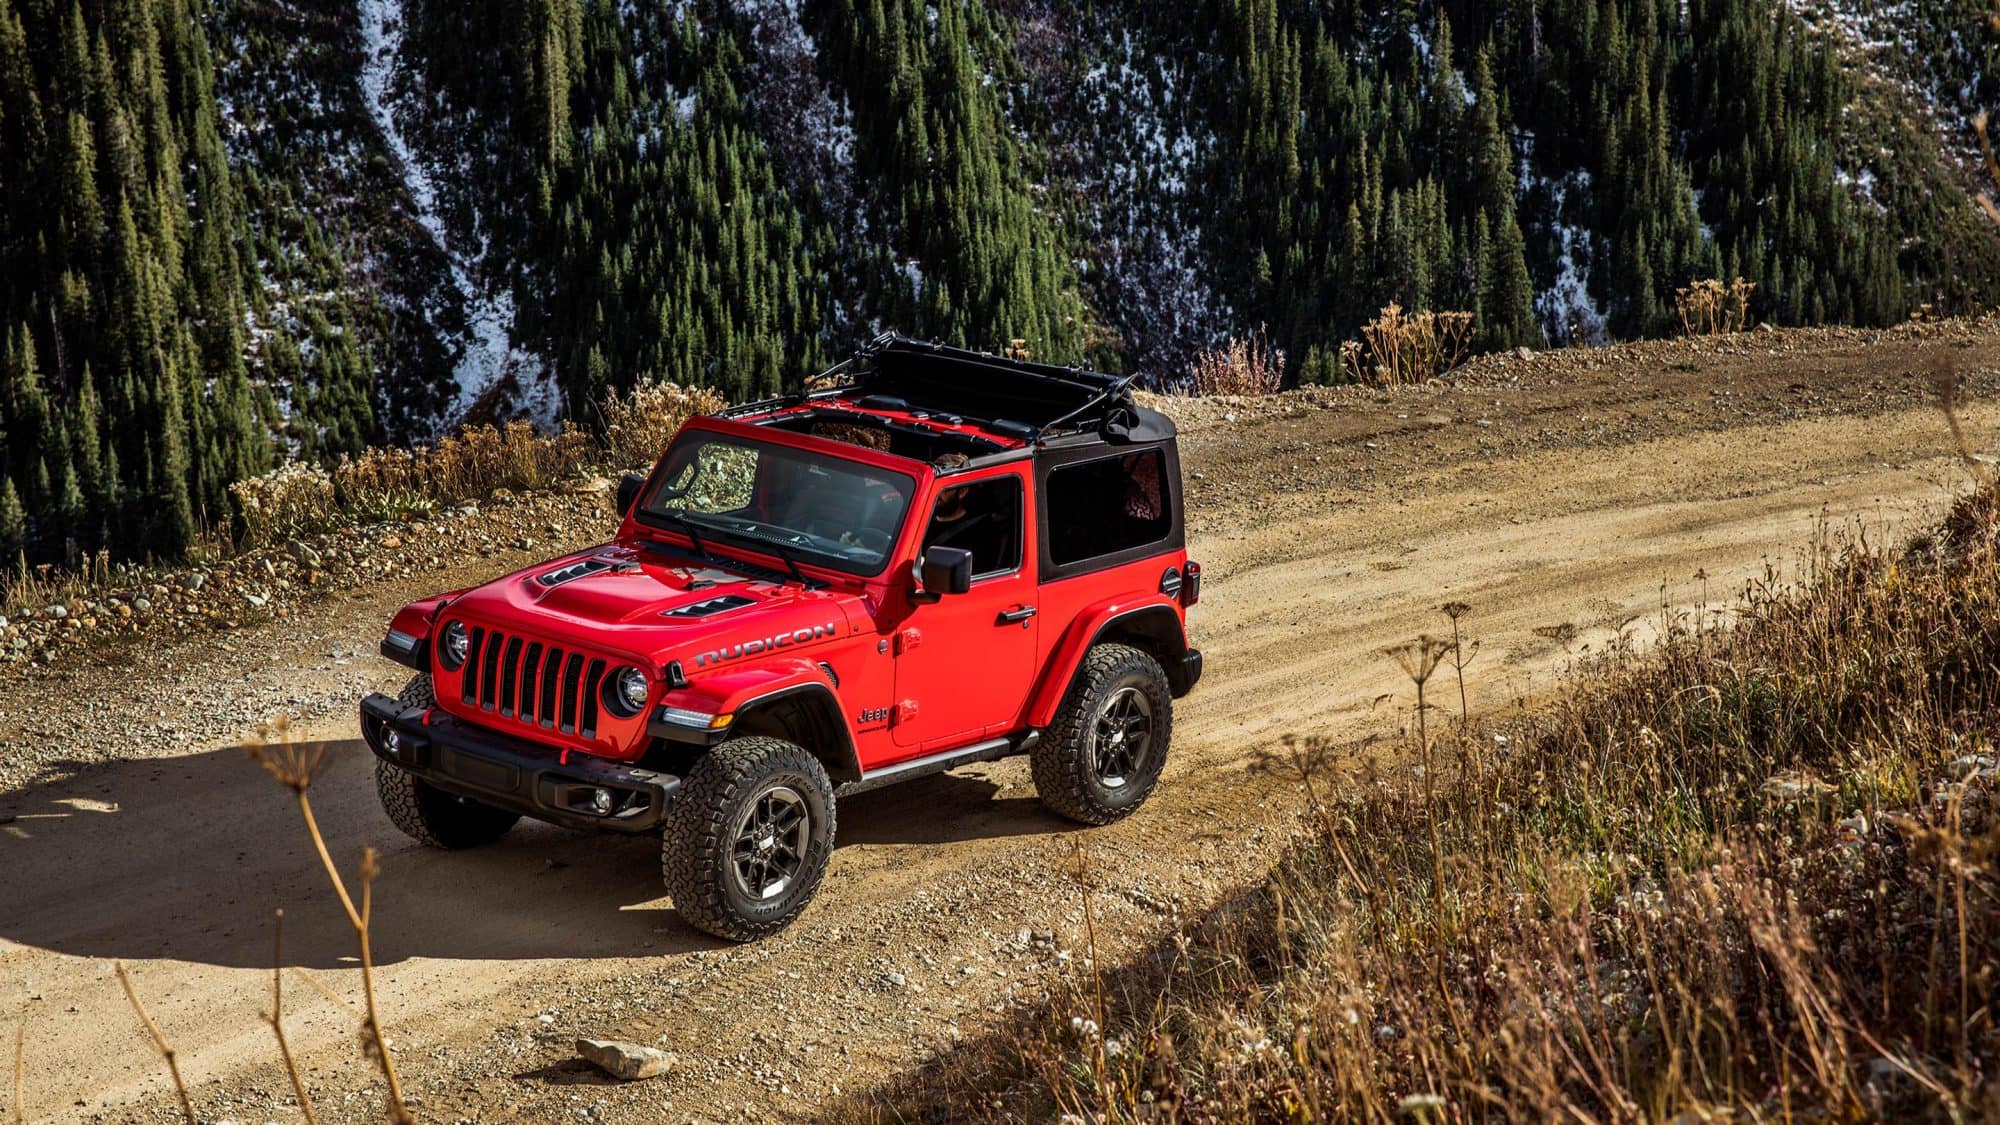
(944, 808)
(185, 859)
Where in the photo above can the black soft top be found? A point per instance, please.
(1014, 398)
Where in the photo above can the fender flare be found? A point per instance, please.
(415, 621)
(1151, 620)
(750, 693)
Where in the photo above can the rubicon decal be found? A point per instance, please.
(764, 644)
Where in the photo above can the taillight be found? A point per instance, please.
(1191, 583)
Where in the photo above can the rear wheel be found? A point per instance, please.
(748, 837)
(1104, 753)
(424, 812)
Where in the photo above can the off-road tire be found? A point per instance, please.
(1066, 762)
(717, 799)
(427, 814)
(419, 692)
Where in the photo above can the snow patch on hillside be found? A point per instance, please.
(1131, 154)
(488, 361)
(1568, 312)
(1933, 53)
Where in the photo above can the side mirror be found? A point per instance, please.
(943, 570)
(628, 492)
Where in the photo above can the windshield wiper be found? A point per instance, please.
(688, 526)
(785, 552)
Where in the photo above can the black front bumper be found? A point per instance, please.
(513, 773)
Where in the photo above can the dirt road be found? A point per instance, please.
(1564, 498)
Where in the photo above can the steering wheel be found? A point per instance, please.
(873, 540)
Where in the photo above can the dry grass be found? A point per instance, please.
(1711, 308)
(386, 484)
(638, 426)
(1240, 367)
(1749, 876)
(24, 587)
(1398, 347)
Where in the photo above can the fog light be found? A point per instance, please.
(393, 741)
(600, 802)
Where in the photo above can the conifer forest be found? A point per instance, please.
(239, 232)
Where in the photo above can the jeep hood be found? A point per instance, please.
(644, 604)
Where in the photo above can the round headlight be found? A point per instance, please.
(629, 689)
(453, 645)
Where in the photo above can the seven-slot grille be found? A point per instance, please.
(539, 684)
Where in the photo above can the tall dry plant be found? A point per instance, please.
(1711, 308)
(21, 1073)
(276, 1018)
(1398, 348)
(296, 764)
(639, 424)
(1951, 399)
(1242, 366)
(160, 1043)
(385, 484)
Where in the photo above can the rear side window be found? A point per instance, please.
(1108, 505)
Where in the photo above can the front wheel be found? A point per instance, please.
(1104, 753)
(748, 837)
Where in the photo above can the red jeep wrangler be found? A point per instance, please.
(951, 558)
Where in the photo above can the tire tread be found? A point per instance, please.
(1057, 761)
(693, 852)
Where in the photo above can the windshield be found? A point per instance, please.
(815, 509)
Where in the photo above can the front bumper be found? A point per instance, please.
(515, 774)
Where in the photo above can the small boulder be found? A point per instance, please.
(627, 1062)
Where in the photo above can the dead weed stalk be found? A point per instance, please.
(276, 1017)
(159, 1038)
(1710, 307)
(1242, 366)
(296, 764)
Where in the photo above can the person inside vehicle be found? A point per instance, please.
(983, 518)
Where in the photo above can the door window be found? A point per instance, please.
(983, 517)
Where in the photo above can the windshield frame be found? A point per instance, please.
(715, 532)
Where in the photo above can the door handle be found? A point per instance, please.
(1022, 614)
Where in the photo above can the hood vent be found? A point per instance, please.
(582, 568)
(710, 607)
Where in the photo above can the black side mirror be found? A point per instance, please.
(628, 492)
(944, 570)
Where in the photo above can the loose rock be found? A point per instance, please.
(628, 1062)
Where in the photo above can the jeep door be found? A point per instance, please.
(965, 663)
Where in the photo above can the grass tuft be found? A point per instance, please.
(1240, 367)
